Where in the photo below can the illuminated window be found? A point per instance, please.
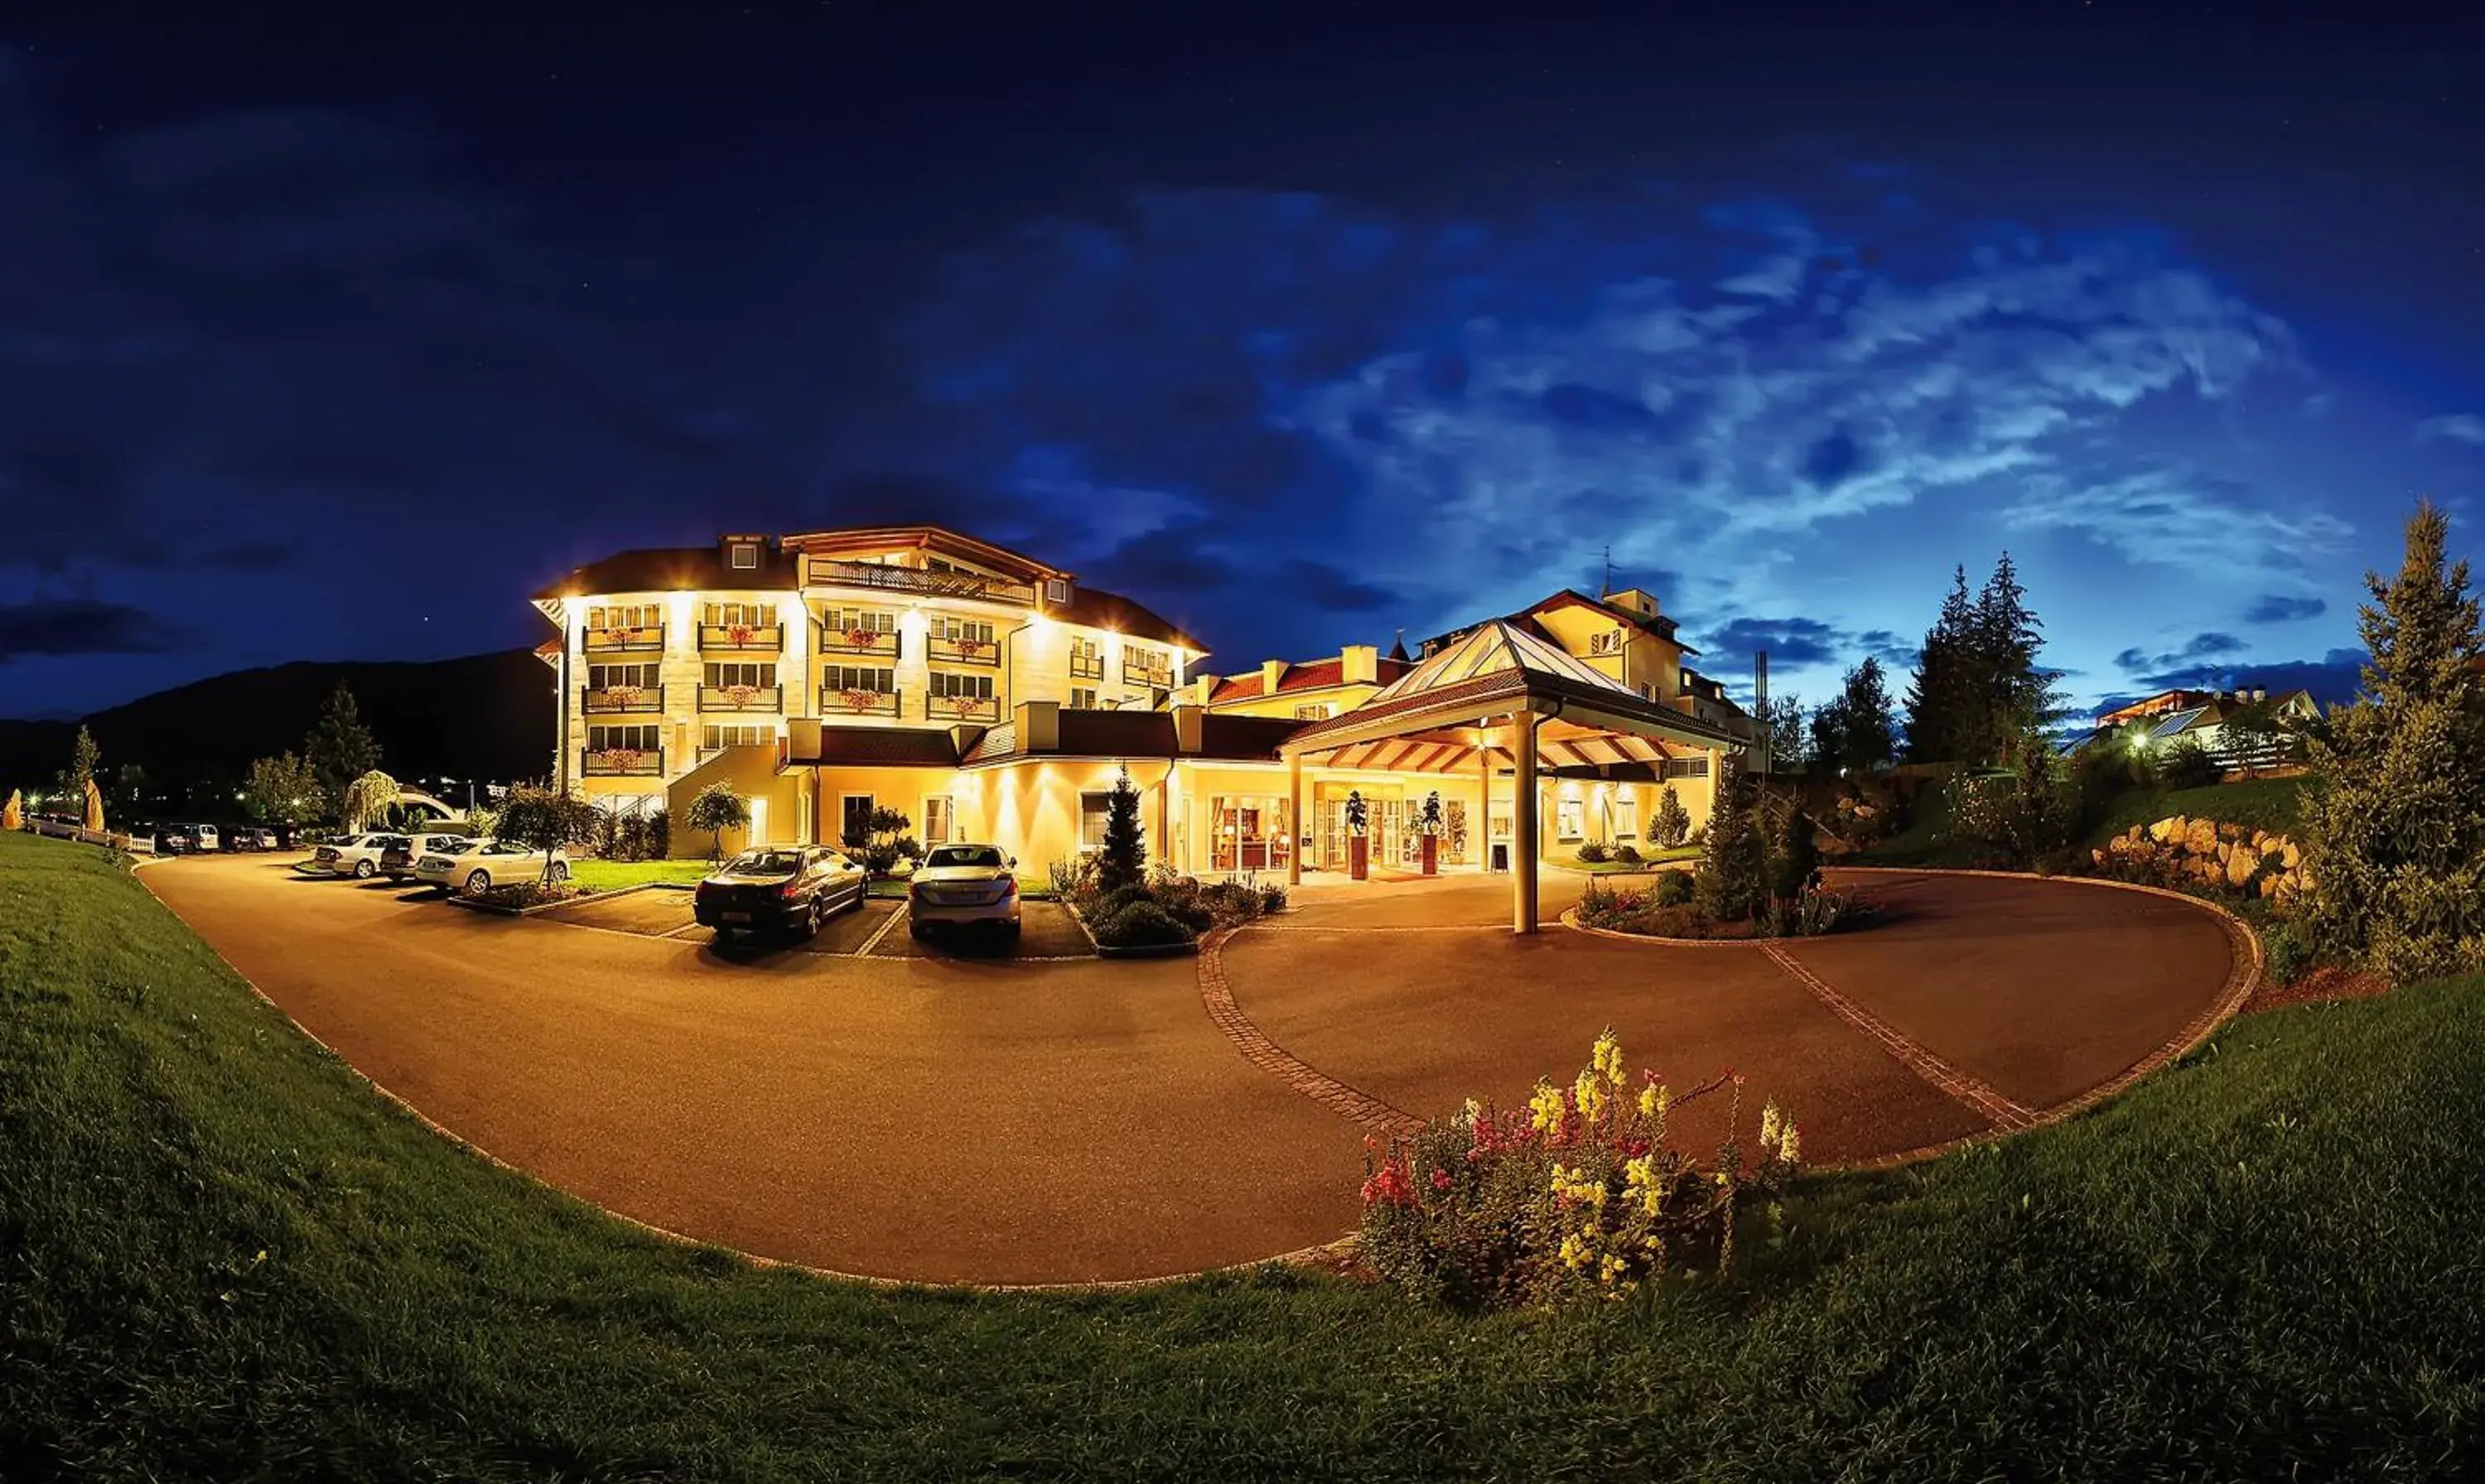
(1570, 819)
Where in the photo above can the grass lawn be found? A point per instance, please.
(222, 1257)
(612, 874)
(2260, 803)
(1648, 860)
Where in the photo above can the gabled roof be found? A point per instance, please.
(674, 569)
(2183, 722)
(1098, 608)
(929, 538)
(1143, 734)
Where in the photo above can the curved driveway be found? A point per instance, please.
(1071, 1121)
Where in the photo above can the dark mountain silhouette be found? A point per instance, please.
(486, 716)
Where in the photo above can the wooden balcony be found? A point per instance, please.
(830, 572)
(875, 643)
(739, 698)
(1086, 666)
(623, 762)
(857, 702)
(623, 700)
(647, 640)
(1160, 677)
(961, 708)
(986, 652)
(728, 638)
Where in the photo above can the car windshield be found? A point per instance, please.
(765, 862)
(506, 848)
(963, 856)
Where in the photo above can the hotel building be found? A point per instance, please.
(987, 695)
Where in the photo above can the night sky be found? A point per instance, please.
(332, 334)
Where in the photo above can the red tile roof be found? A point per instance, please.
(1311, 675)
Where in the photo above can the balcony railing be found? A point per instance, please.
(1086, 666)
(880, 643)
(623, 762)
(966, 651)
(742, 698)
(961, 708)
(856, 701)
(624, 700)
(645, 639)
(767, 636)
(1159, 676)
(830, 572)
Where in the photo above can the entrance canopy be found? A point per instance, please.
(1501, 693)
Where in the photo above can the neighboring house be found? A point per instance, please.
(988, 695)
(2203, 717)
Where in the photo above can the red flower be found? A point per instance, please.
(1440, 1179)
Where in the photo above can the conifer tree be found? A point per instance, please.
(2015, 695)
(1123, 861)
(1945, 679)
(1672, 824)
(86, 760)
(2394, 829)
(340, 749)
(1731, 883)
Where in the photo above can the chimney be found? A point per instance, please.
(1202, 686)
(2260, 695)
(1270, 672)
(1039, 726)
(1187, 726)
(1360, 665)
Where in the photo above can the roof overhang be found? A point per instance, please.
(934, 538)
(1578, 728)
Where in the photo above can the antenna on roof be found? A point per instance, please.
(1607, 591)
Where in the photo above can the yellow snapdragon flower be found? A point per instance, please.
(1590, 1095)
(1606, 1058)
(1544, 1109)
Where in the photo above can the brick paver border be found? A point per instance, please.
(1982, 1097)
(1216, 995)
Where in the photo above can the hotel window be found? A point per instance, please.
(1092, 809)
(1687, 768)
(744, 556)
(1571, 818)
(1314, 710)
(1082, 698)
(847, 620)
(738, 734)
(740, 615)
(853, 817)
(626, 615)
(629, 738)
(1087, 658)
(1607, 642)
(604, 677)
(758, 674)
(1626, 816)
(878, 679)
(979, 629)
(978, 686)
(936, 816)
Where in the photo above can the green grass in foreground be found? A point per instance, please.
(222, 1257)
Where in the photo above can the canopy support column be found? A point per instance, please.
(1523, 831)
(1295, 820)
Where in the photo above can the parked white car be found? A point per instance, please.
(485, 864)
(962, 886)
(354, 855)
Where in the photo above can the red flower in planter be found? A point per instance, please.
(862, 639)
(737, 634)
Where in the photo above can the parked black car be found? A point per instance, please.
(788, 889)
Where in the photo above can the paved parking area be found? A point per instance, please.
(1046, 931)
(921, 1115)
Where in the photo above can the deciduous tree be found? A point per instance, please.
(715, 809)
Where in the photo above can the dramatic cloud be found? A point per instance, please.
(1797, 643)
(2333, 679)
(2454, 427)
(82, 626)
(2202, 646)
(2279, 608)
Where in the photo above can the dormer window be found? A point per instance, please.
(742, 555)
(1056, 591)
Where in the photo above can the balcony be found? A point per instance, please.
(646, 640)
(770, 698)
(769, 637)
(961, 708)
(623, 762)
(876, 643)
(623, 700)
(854, 701)
(1086, 666)
(1159, 676)
(965, 651)
(830, 572)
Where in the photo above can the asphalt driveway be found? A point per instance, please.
(872, 1105)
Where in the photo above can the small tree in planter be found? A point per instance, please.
(1797, 859)
(1124, 859)
(1430, 823)
(1672, 824)
(715, 809)
(1358, 841)
(542, 820)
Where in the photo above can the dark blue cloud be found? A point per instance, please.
(2333, 679)
(83, 626)
(2279, 608)
(2201, 647)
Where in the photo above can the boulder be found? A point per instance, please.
(2201, 837)
(2241, 865)
(2167, 830)
(2096, 857)
(2289, 853)
(2223, 850)
(2268, 886)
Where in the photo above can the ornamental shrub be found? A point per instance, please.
(1110, 904)
(2286, 953)
(1593, 852)
(1142, 924)
(1733, 878)
(1671, 824)
(1624, 852)
(1124, 858)
(1579, 1196)
(1796, 861)
(2186, 765)
(1674, 888)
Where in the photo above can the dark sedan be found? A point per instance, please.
(784, 888)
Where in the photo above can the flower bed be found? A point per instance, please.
(1166, 910)
(1577, 1196)
(1669, 909)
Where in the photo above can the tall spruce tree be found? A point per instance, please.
(340, 749)
(2394, 826)
(1124, 858)
(1945, 678)
(2015, 694)
(1867, 736)
(1733, 881)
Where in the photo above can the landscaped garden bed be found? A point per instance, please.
(1757, 878)
(1130, 911)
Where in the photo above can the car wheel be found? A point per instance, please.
(478, 882)
(560, 872)
(918, 931)
(363, 871)
(1010, 928)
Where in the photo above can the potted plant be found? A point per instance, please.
(1430, 823)
(1358, 844)
(738, 636)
